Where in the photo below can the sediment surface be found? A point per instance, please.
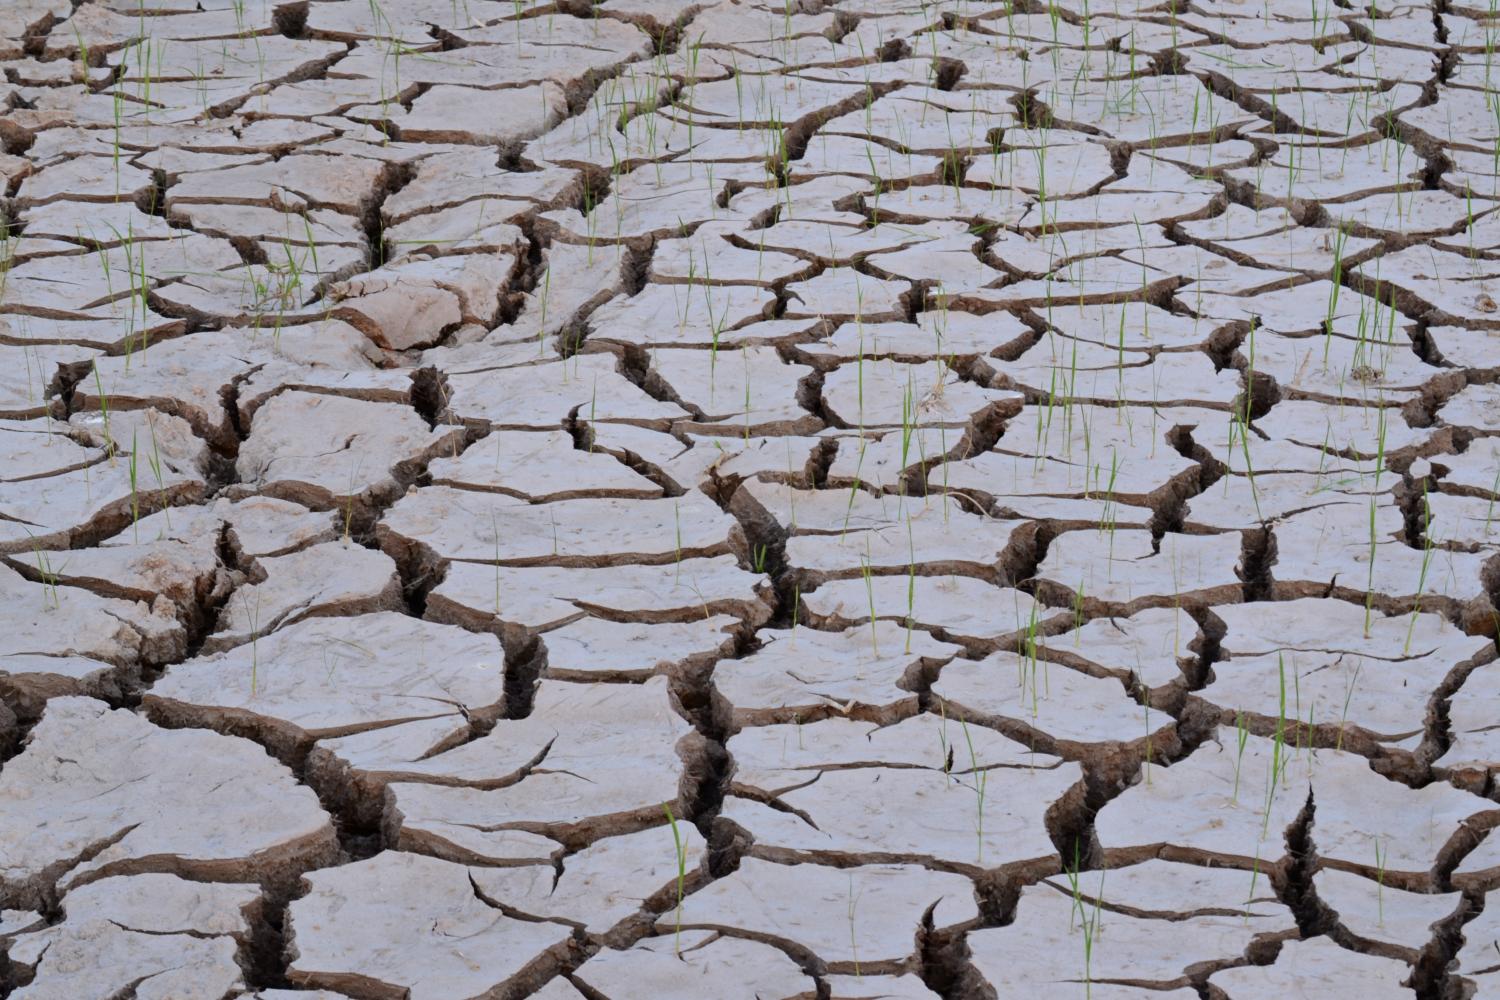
(834, 499)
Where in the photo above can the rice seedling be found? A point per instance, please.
(680, 848)
(1348, 696)
(1073, 874)
(1489, 513)
(851, 914)
(749, 381)
(908, 422)
(1254, 877)
(1107, 515)
(979, 777)
(1381, 851)
(1370, 580)
(796, 607)
(1146, 705)
(853, 489)
(1340, 240)
(1427, 550)
(109, 441)
(1241, 737)
(349, 495)
(153, 460)
(911, 585)
(252, 615)
(593, 411)
(698, 593)
(51, 597)
(1090, 927)
(945, 748)
(495, 534)
(135, 502)
(1029, 665)
(1277, 763)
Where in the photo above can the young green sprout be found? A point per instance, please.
(495, 533)
(1241, 736)
(349, 505)
(1146, 704)
(1090, 935)
(154, 462)
(1278, 748)
(796, 607)
(253, 614)
(870, 596)
(109, 441)
(680, 845)
(911, 585)
(980, 777)
(851, 912)
(1075, 888)
(49, 577)
(135, 500)
(1427, 550)
(1380, 855)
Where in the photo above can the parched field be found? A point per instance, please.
(711, 501)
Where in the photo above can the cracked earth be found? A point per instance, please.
(833, 499)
